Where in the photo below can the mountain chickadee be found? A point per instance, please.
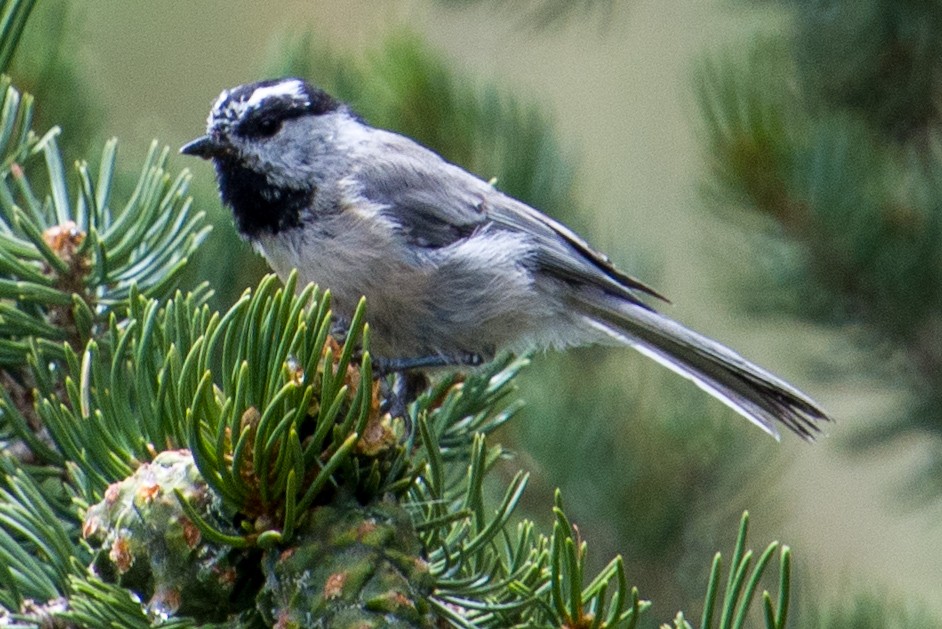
(452, 269)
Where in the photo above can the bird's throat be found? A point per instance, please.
(259, 207)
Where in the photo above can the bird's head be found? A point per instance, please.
(266, 126)
(265, 139)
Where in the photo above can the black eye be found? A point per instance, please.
(269, 127)
(263, 127)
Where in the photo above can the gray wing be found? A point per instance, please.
(436, 204)
(564, 253)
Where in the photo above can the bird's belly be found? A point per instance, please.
(342, 264)
(469, 298)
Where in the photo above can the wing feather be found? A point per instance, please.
(436, 204)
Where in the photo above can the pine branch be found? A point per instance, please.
(37, 544)
(68, 266)
(12, 21)
(857, 202)
(881, 60)
(260, 441)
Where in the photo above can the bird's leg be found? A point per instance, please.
(406, 386)
(409, 379)
(339, 330)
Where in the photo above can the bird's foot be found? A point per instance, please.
(385, 366)
(409, 380)
(405, 388)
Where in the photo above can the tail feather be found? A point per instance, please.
(751, 391)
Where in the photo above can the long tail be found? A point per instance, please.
(751, 391)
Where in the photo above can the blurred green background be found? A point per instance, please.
(605, 99)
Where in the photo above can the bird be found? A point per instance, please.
(453, 270)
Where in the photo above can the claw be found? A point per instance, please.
(409, 379)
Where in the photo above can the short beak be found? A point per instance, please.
(205, 147)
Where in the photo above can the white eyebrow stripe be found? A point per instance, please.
(286, 88)
(217, 106)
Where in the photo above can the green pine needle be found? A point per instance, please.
(742, 584)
